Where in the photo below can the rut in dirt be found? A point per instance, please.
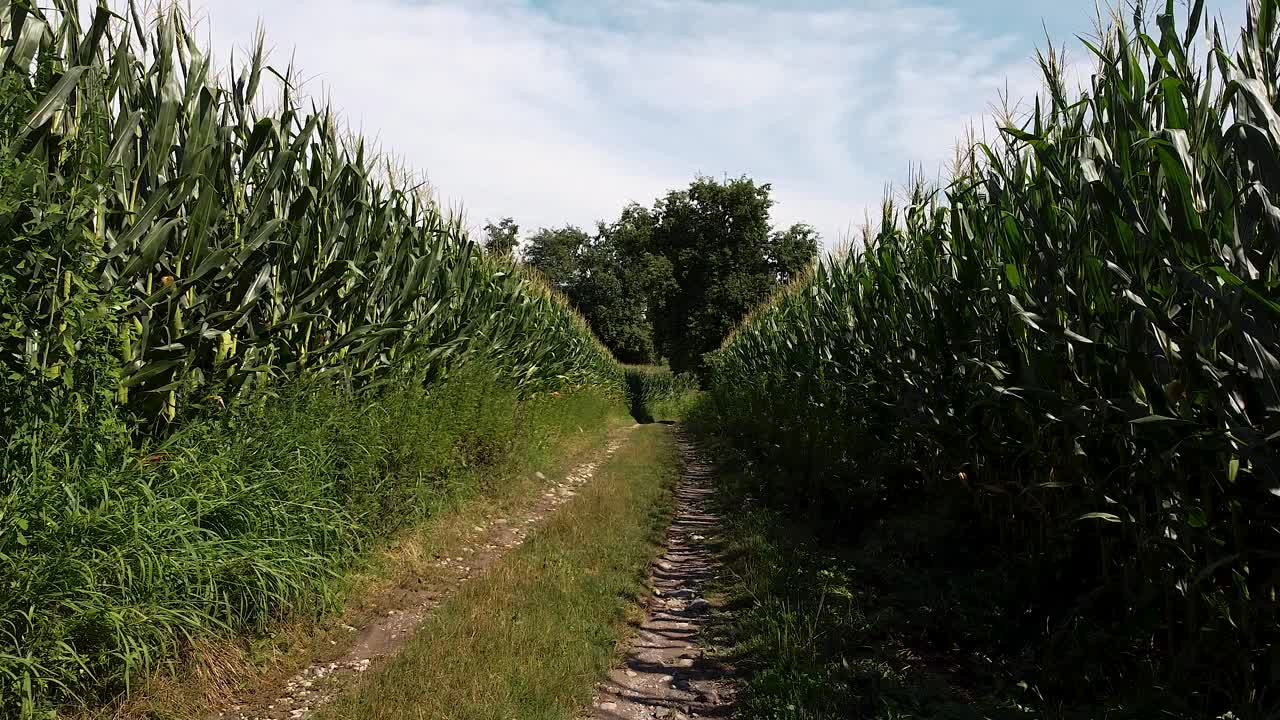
(402, 610)
(671, 670)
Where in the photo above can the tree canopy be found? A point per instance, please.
(726, 257)
(502, 239)
(672, 281)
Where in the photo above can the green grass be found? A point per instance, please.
(242, 521)
(655, 393)
(899, 622)
(530, 639)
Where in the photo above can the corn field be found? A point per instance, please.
(1079, 334)
(169, 244)
(176, 242)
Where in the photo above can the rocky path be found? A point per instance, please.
(668, 672)
(402, 609)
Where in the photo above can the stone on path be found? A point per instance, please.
(668, 672)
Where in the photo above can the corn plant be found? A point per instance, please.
(169, 244)
(184, 257)
(1079, 332)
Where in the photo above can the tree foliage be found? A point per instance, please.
(502, 239)
(555, 253)
(604, 277)
(671, 281)
(726, 259)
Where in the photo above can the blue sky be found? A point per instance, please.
(558, 112)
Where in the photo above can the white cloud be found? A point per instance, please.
(564, 115)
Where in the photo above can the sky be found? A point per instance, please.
(563, 111)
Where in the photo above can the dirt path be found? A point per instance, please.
(668, 672)
(402, 609)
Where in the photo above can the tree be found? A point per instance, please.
(674, 280)
(792, 252)
(621, 280)
(601, 276)
(555, 252)
(502, 239)
(725, 260)
(650, 272)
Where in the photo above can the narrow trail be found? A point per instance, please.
(668, 672)
(401, 610)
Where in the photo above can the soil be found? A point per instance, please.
(670, 670)
(384, 623)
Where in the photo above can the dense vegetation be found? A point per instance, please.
(655, 392)
(231, 339)
(1038, 406)
(1069, 357)
(670, 282)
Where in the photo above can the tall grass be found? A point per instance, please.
(1078, 336)
(239, 521)
(656, 393)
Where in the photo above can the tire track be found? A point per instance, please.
(669, 672)
(404, 609)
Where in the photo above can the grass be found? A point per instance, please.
(530, 639)
(892, 625)
(243, 522)
(216, 666)
(655, 393)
